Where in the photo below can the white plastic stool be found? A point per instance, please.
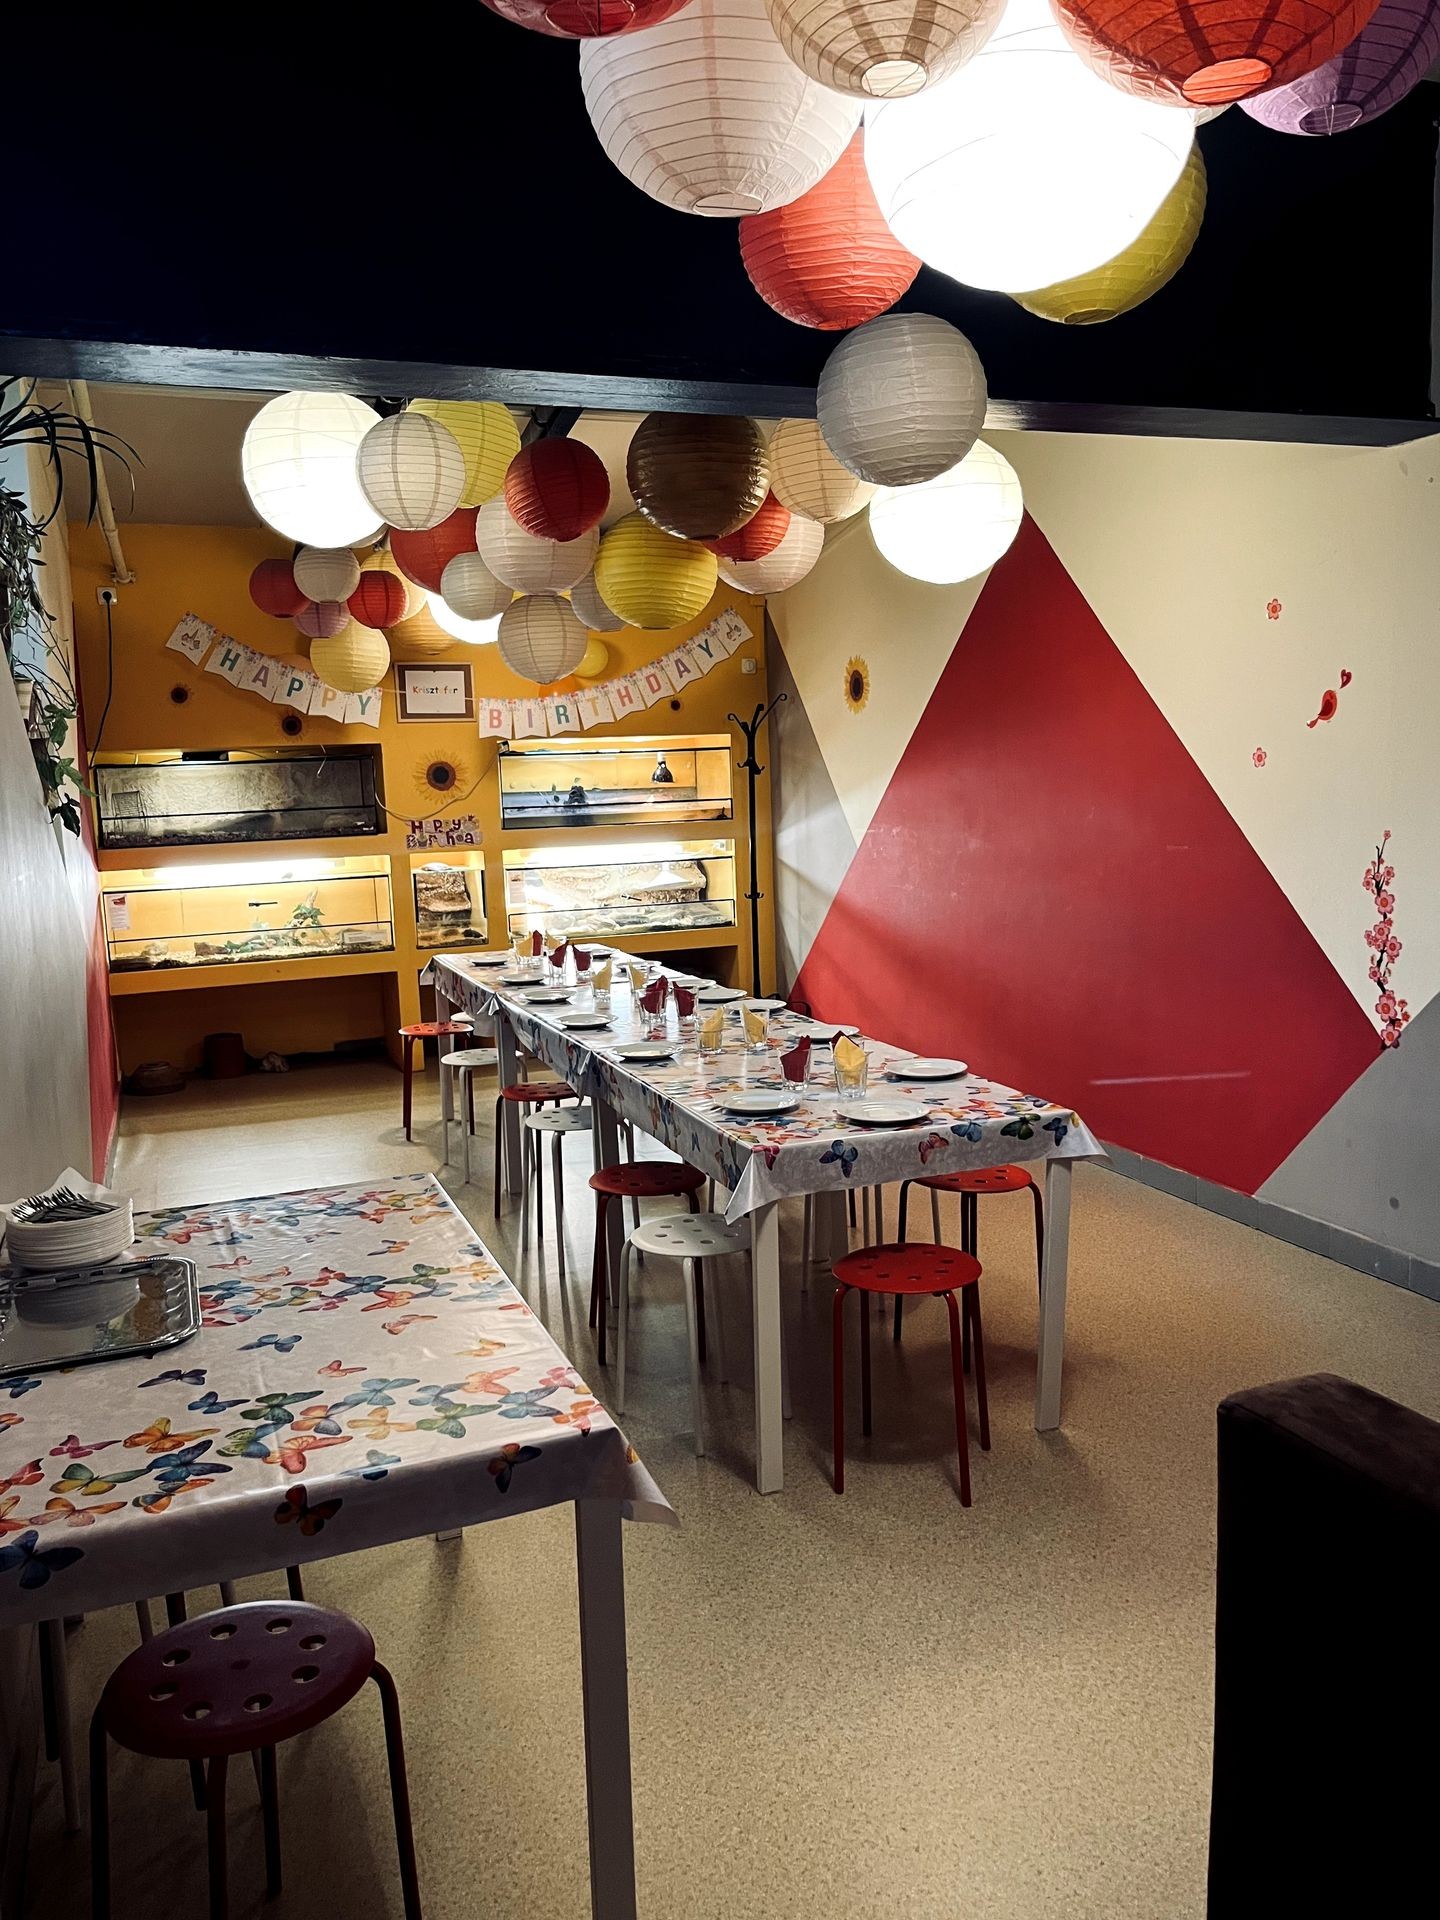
(462, 1066)
(557, 1122)
(690, 1238)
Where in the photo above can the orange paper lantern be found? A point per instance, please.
(423, 556)
(557, 489)
(828, 259)
(761, 533)
(1205, 53)
(379, 600)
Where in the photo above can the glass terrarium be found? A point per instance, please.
(165, 917)
(198, 799)
(577, 783)
(591, 889)
(449, 894)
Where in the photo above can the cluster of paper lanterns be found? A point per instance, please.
(1014, 145)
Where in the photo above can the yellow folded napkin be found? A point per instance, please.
(601, 974)
(712, 1025)
(755, 1023)
(848, 1056)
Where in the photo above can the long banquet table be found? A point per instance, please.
(973, 1123)
(364, 1373)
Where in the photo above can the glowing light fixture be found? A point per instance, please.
(298, 464)
(953, 527)
(475, 633)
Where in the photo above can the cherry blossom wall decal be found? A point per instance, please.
(1393, 1012)
(1273, 609)
(1259, 756)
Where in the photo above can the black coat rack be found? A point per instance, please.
(753, 770)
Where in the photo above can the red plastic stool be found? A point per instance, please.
(912, 1269)
(241, 1680)
(635, 1180)
(524, 1093)
(970, 1187)
(422, 1031)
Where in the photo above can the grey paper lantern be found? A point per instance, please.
(901, 399)
(528, 564)
(589, 603)
(470, 589)
(541, 638)
(411, 470)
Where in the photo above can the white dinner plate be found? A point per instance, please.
(926, 1070)
(647, 1050)
(545, 996)
(489, 959)
(883, 1113)
(766, 1006)
(825, 1029)
(760, 1100)
(581, 1022)
(517, 979)
(721, 993)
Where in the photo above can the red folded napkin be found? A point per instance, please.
(557, 954)
(537, 942)
(793, 1063)
(653, 997)
(582, 959)
(685, 1001)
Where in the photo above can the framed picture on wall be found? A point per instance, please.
(425, 692)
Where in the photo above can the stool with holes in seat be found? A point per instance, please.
(522, 1093)
(557, 1122)
(423, 1030)
(241, 1680)
(461, 1067)
(971, 1187)
(637, 1180)
(898, 1268)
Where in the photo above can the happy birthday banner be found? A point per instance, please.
(278, 681)
(285, 684)
(597, 706)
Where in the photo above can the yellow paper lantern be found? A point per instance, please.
(489, 440)
(353, 660)
(420, 635)
(1154, 257)
(594, 661)
(650, 578)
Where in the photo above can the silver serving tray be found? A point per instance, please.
(95, 1313)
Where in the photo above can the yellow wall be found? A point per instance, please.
(205, 570)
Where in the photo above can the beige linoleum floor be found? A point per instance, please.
(880, 1707)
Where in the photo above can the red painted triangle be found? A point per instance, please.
(1052, 890)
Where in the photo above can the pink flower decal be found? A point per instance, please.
(1259, 756)
(1392, 1011)
(1273, 609)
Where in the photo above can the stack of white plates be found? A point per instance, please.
(43, 1241)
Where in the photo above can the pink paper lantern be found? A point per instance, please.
(323, 619)
(1382, 63)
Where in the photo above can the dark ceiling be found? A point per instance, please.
(356, 199)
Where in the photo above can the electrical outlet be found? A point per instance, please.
(107, 596)
(747, 665)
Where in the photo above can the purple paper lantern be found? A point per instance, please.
(1379, 67)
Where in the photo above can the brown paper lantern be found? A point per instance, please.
(698, 475)
(351, 661)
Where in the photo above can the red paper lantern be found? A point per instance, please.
(323, 619)
(1206, 53)
(379, 600)
(828, 259)
(584, 19)
(273, 589)
(761, 533)
(557, 489)
(424, 556)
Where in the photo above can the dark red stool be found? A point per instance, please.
(971, 1187)
(635, 1180)
(901, 1269)
(523, 1093)
(422, 1030)
(241, 1680)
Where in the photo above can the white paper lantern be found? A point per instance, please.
(470, 589)
(326, 573)
(412, 471)
(585, 598)
(807, 478)
(953, 527)
(901, 399)
(783, 565)
(475, 633)
(541, 639)
(1023, 168)
(707, 113)
(882, 49)
(528, 564)
(298, 464)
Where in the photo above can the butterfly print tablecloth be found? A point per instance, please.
(365, 1373)
(973, 1122)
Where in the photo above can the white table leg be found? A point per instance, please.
(769, 1422)
(600, 1563)
(54, 1631)
(831, 1230)
(510, 1111)
(444, 1010)
(1050, 1352)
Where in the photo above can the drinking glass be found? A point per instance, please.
(685, 1009)
(756, 1022)
(850, 1081)
(795, 1066)
(712, 1033)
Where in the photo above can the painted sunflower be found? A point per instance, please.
(857, 684)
